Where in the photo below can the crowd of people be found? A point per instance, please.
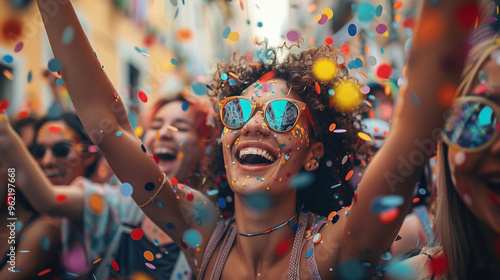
(272, 175)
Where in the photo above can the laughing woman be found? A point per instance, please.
(276, 117)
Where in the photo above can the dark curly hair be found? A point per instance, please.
(296, 70)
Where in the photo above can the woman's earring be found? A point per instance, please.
(316, 164)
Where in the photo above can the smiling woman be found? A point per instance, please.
(268, 232)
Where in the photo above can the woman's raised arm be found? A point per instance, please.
(105, 119)
(433, 70)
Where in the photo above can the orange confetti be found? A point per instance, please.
(332, 127)
(149, 256)
(55, 129)
(431, 28)
(446, 94)
(96, 203)
(184, 35)
(345, 49)
(363, 74)
(416, 200)
(234, 75)
(398, 5)
(8, 74)
(266, 77)
(318, 89)
(349, 175)
(96, 261)
(371, 114)
(331, 215)
(23, 114)
(388, 216)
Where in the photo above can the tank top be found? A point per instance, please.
(226, 231)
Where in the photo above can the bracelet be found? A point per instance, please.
(156, 193)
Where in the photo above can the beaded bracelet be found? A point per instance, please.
(156, 193)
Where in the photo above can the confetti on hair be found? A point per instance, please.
(364, 136)
(324, 69)
(267, 76)
(115, 265)
(347, 96)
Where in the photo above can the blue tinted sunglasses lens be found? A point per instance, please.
(471, 125)
(281, 115)
(236, 113)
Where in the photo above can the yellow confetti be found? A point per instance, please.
(180, 155)
(328, 12)
(324, 69)
(364, 136)
(347, 96)
(173, 128)
(317, 18)
(139, 131)
(233, 36)
(157, 135)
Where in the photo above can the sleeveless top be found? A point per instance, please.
(423, 216)
(226, 230)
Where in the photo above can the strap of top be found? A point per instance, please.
(227, 244)
(212, 244)
(423, 215)
(298, 244)
(311, 260)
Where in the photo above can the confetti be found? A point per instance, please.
(198, 88)
(284, 247)
(381, 28)
(61, 197)
(96, 203)
(349, 175)
(55, 129)
(302, 180)
(323, 19)
(7, 59)
(347, 96)
(332, 127)
(233, 36)
(192, 238)
(366, 12)
(8, 74)
(148, 256)
(328, 12)
(142, 96)
(324, 69)
(136, 234)
(184, 35)
(43, 272)
(45, 243)
(54, 65)
(384, 71)
(19, 47)
(292, 36)
(174, 62)
(364, 136)
(222, 202)
(115, 265)
(126, 189)
(352, 29)
(68, 35)
(225, 32)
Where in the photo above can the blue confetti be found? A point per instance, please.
(259, 24)
(334, 186)
(386, 256)
(118, 133)
(68, 35)
(18, 226)
(176, 13)
(45, 243)
(185, 106)
(222, 202)
(226, 32)
(366, 12)
(223, 76)
(174, 62)
(8, 59)
(352, 270)
(54, 65)
(213, 192)
(192, 238)
(331, 92)
(352, 29)
(309, 253)
(126, 189)
(198, 88)
(302, 180)
(378, 10)
(400, 271)
(30, 76)
(170, 225)
(59, 82)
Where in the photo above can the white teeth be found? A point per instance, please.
(53, 172)
(254, 151)
(163, 150)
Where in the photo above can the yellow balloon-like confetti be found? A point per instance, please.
(139, 130)
(328, 12)
(233, 36)
(317, 18)
(324, 69)
(364, 136)
(347, 96)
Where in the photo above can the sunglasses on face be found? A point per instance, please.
(280, 115)
(60, 150)
(472, 124)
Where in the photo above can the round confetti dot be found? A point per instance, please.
(115, 265)
(323, 19)
(149, 186)
(398, 5)
(149, 256)
(400, 270)
(460, 158)
(381, 28)
(18, 226)
(180, 155)
(331, 215)
(170, 225)
(328, 12)
(198, 88)
(318, 17)
(142, 96)
(59, 82)
(259, 24)
(19, 47)
(366, 12)
(225, 32)
(292, 36)
(143, 148)
(284, 247)
(118, 133)
(55, 129)
(8, 58)
(372, 61)
(233, 36)
(352, 270)
(184, 35)
(29, 77)
(336, 218)
(192, 238)
(222, 202)
(352, 29)
(309, 253)
(136, 234)
(68, 35)
(328, 40)
(224, 76)
(347, 96)
(384, 70)
(302, 180)
(126, 189)
(386, 256)
(54, 65)
(189, 197)
(378, 10)
(392, 200)
(185, 106)
(324, 69)
(332, 127)
(174, 62)
(317, 238)
(174, 181)
(389, 215)
(61, 197)
(45, 242)
(96, 203)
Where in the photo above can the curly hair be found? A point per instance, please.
(297, 71)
